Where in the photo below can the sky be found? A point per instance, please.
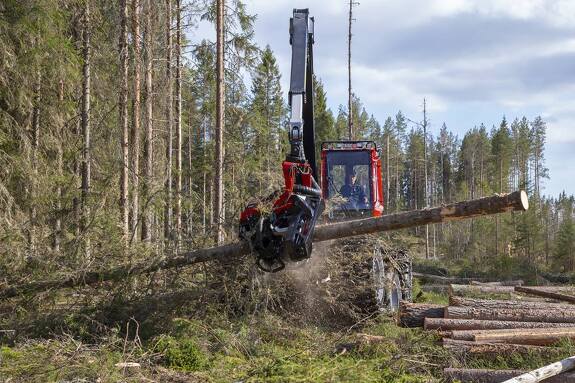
(473, 60)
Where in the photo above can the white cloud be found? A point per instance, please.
(477, 81)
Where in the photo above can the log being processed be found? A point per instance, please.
(500, 203)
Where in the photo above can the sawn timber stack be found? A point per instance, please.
(500, 203)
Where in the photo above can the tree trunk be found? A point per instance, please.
(521, 315)
(465, 375)
(169, 123)
(538, 337)
(189, 224)
(147, 213)
(86, 152)
(482, 289)
(123, 106)
(467, 209)
(220, 100)
(548, 371)
(506, 304)
(442, 324)
(136, 118)
(546, 294)
(60, 172)
(238, 249)
(387, 175)
(34, 164)
(468, 347)
(349, 92)
(178, 211)
(438, 279)
(517, 282)
(413, 314)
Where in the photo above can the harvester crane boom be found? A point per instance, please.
(286, 234)
(301, 124)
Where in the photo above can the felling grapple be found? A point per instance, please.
(286, 234)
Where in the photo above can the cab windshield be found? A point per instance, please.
(348, 178)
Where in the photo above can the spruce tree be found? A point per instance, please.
(268, 113)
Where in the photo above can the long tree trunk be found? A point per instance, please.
(60, 172)
(446, 324)
(465, 375)
(532, 336)
(461, 210)
(545, 372)
(506, 304)
(147, 213)
(349, 92)
(480, 289)
(474, 348)
(190, 217)
(178, 211)
(542, 292)
(123, 106)
(34, 160)
(387, 175)
(521, 315)
(86, 152)
(135, 144)
(169, 123)
(220, 101)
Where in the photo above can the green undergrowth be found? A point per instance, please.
(258, 348)
(270, 349)
(420, 296)
(263, 348)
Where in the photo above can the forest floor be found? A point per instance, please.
(255, 348)
(219, 330)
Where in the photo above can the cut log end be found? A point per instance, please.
(524, 201)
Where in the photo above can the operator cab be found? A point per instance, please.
(351, 178)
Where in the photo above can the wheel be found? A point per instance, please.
(388, 285)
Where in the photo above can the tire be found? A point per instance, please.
(391, 274)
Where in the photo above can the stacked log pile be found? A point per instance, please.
(520, 320)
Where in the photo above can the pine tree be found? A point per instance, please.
(564, 253)
(219, 133)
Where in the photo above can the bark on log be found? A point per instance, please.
(484, 206)
(538, 336)
(442, 324)
(516, 201)
(438, 279)
(496, 376)
(546, 293)
(502, 335)
(518, 282)
(468, 347)
(545, 372)
(455, 289)
(413, 314)
(521, 315)
(506, 304)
